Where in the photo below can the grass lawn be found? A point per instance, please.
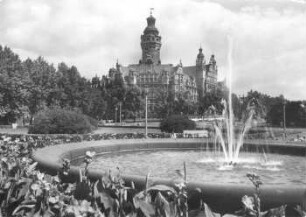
(21, 130)
(124, 130)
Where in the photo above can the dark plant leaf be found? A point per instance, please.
(108, 201)
(82, 191)
(300, 211)
(275, 212)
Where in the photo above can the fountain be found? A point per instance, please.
(230, 144)
(162, 157)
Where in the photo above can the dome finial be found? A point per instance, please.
(117, 64)
(200, 49)
(151, 11)
(181, 64)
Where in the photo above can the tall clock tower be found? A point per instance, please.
(150, 43)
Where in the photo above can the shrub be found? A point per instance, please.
(92, 121)
(176, 124)
(60, 121)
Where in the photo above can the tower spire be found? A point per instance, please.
(150, 42)
(200, 58)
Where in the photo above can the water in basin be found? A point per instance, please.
(207, 167)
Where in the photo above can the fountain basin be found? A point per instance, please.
(206, 166)
(220, 197)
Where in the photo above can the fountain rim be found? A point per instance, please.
(50, 158)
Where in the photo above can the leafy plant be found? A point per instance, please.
(301, 211)
(60, 121)
(165, 201)
(252, 206)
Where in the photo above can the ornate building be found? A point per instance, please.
(188, 81)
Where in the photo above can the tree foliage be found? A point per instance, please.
(133, 102)
(14, 86)
(43, 83)
(295, 114)
(27, 87)
(60, 121)
(176, 124)
(168, 103)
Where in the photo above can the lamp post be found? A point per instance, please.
(120, 105)
(304, 110)
(284, 118)
(146, 115)
(116, 113)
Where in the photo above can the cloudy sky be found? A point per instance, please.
(269, 36)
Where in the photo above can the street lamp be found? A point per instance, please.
(284, 118)
(120, 105)
(116, 113)
(304, 110)
(146, 116)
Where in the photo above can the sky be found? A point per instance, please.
(268, 36)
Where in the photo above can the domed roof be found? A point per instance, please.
(151, 20)
(212, 59)
(200, 54)
(151, 26)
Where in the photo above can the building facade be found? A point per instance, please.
(191, 82)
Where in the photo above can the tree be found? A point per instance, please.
(72, 86)
(168, 103)
(14, 86)
(210, 99)
(43, 84)
(181, 105)
(133, 102)
(177, 124)
(114, 91)
(294, 112)
(95, 106)
(263, 104)
(165, 104)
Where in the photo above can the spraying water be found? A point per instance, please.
(230, 109)
(230, 144)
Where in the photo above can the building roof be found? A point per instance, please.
(151, 26)
(124, 70)
(147, 68)
(189, 70)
